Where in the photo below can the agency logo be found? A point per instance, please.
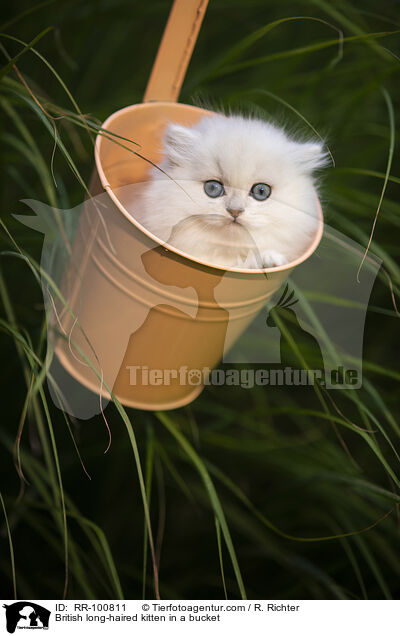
(116, 309)
(26, 615)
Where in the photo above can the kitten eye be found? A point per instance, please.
(260, 191)
(214, 189)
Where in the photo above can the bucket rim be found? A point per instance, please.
(240, 270)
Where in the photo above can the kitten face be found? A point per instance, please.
(245, 186)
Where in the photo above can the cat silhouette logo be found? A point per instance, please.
(26, 615)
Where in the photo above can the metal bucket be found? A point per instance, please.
(150, 317)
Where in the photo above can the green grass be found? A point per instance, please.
(276, 492)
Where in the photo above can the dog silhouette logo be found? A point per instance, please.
(26, 615)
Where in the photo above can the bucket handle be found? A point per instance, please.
(175, 50)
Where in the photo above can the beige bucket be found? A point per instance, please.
(144, 310)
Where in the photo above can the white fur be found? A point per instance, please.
(238, 152)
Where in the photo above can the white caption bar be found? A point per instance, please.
(182, 617)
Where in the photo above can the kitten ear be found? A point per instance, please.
(310, 155)
(179, 143)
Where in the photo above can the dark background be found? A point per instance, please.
(282, 461)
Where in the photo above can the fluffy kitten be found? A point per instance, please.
(237, 192)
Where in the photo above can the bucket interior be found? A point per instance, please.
(124, 167)
(142, 124)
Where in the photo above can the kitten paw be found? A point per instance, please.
(273, 259)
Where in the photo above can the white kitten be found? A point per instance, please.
(237, 192)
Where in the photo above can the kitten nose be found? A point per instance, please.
(235, 212)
